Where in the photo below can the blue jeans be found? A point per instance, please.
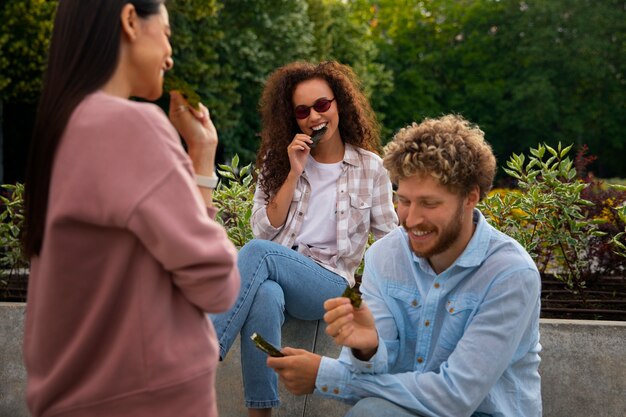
(377, 407)
(275, 281)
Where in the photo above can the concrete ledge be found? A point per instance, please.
(12, 372)
(583, 369)
(307, 335)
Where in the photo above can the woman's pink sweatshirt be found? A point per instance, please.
(115, 321)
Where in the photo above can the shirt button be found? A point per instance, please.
(414, 303)
(420, 360)
(427, 323)
(293, 234)
(341, 211)
(299, 213)
(452, 310)
(336, 391)
(437, 285)
(342, 191)
(324, 388)
(368, 366)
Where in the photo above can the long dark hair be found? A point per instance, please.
(357, 121)
(84, 52)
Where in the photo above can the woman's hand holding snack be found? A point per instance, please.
(197, 130)
(298, 151)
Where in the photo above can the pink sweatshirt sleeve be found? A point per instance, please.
(172, 223)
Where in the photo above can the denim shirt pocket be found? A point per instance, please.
(409, 302)
(458, 311)
(360, 206)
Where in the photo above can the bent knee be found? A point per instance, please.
(270, 293)
(377, 407)
(258, 248)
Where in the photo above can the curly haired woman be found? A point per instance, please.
(316, 203)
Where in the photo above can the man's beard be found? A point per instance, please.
(446, 237)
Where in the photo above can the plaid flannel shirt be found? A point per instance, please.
(364, 205)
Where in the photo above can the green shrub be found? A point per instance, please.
(547, 216)
(12, 260)
(619, 240)
(234, 199)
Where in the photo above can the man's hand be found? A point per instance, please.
(297, 370)
(351, 327)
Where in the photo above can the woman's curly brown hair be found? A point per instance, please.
(357, 121)
(450, 149)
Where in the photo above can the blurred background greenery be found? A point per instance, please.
(525, 71)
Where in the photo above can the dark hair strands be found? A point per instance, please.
(84, 52)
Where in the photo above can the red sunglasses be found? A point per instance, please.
(321, 105)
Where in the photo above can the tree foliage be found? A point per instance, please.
(195, 36)
(526, 71)
(259, 36)
(24, 37)
(344, 31)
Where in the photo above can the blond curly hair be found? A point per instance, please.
(450, 149)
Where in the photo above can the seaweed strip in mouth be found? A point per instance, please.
(354, 295)
(265, 346)
(317, 136)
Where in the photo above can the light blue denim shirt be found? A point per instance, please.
(464, 342)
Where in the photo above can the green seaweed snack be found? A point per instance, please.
(265, 346)
(317, 136)
(174, 83)
(354, 295)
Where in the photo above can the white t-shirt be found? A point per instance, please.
(319, 228)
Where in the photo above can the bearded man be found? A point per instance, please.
(449, 325)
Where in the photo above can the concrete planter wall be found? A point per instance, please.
(12, 372)
(583, 369)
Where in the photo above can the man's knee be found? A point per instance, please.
(367, 407)
(377, 407)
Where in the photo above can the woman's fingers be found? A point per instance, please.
(299, 143)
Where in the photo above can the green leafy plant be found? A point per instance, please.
(619, 240)
(13, 265)
(234, 199)
(11, 225)
(546, 216)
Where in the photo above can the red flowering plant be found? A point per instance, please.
(606, 201)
